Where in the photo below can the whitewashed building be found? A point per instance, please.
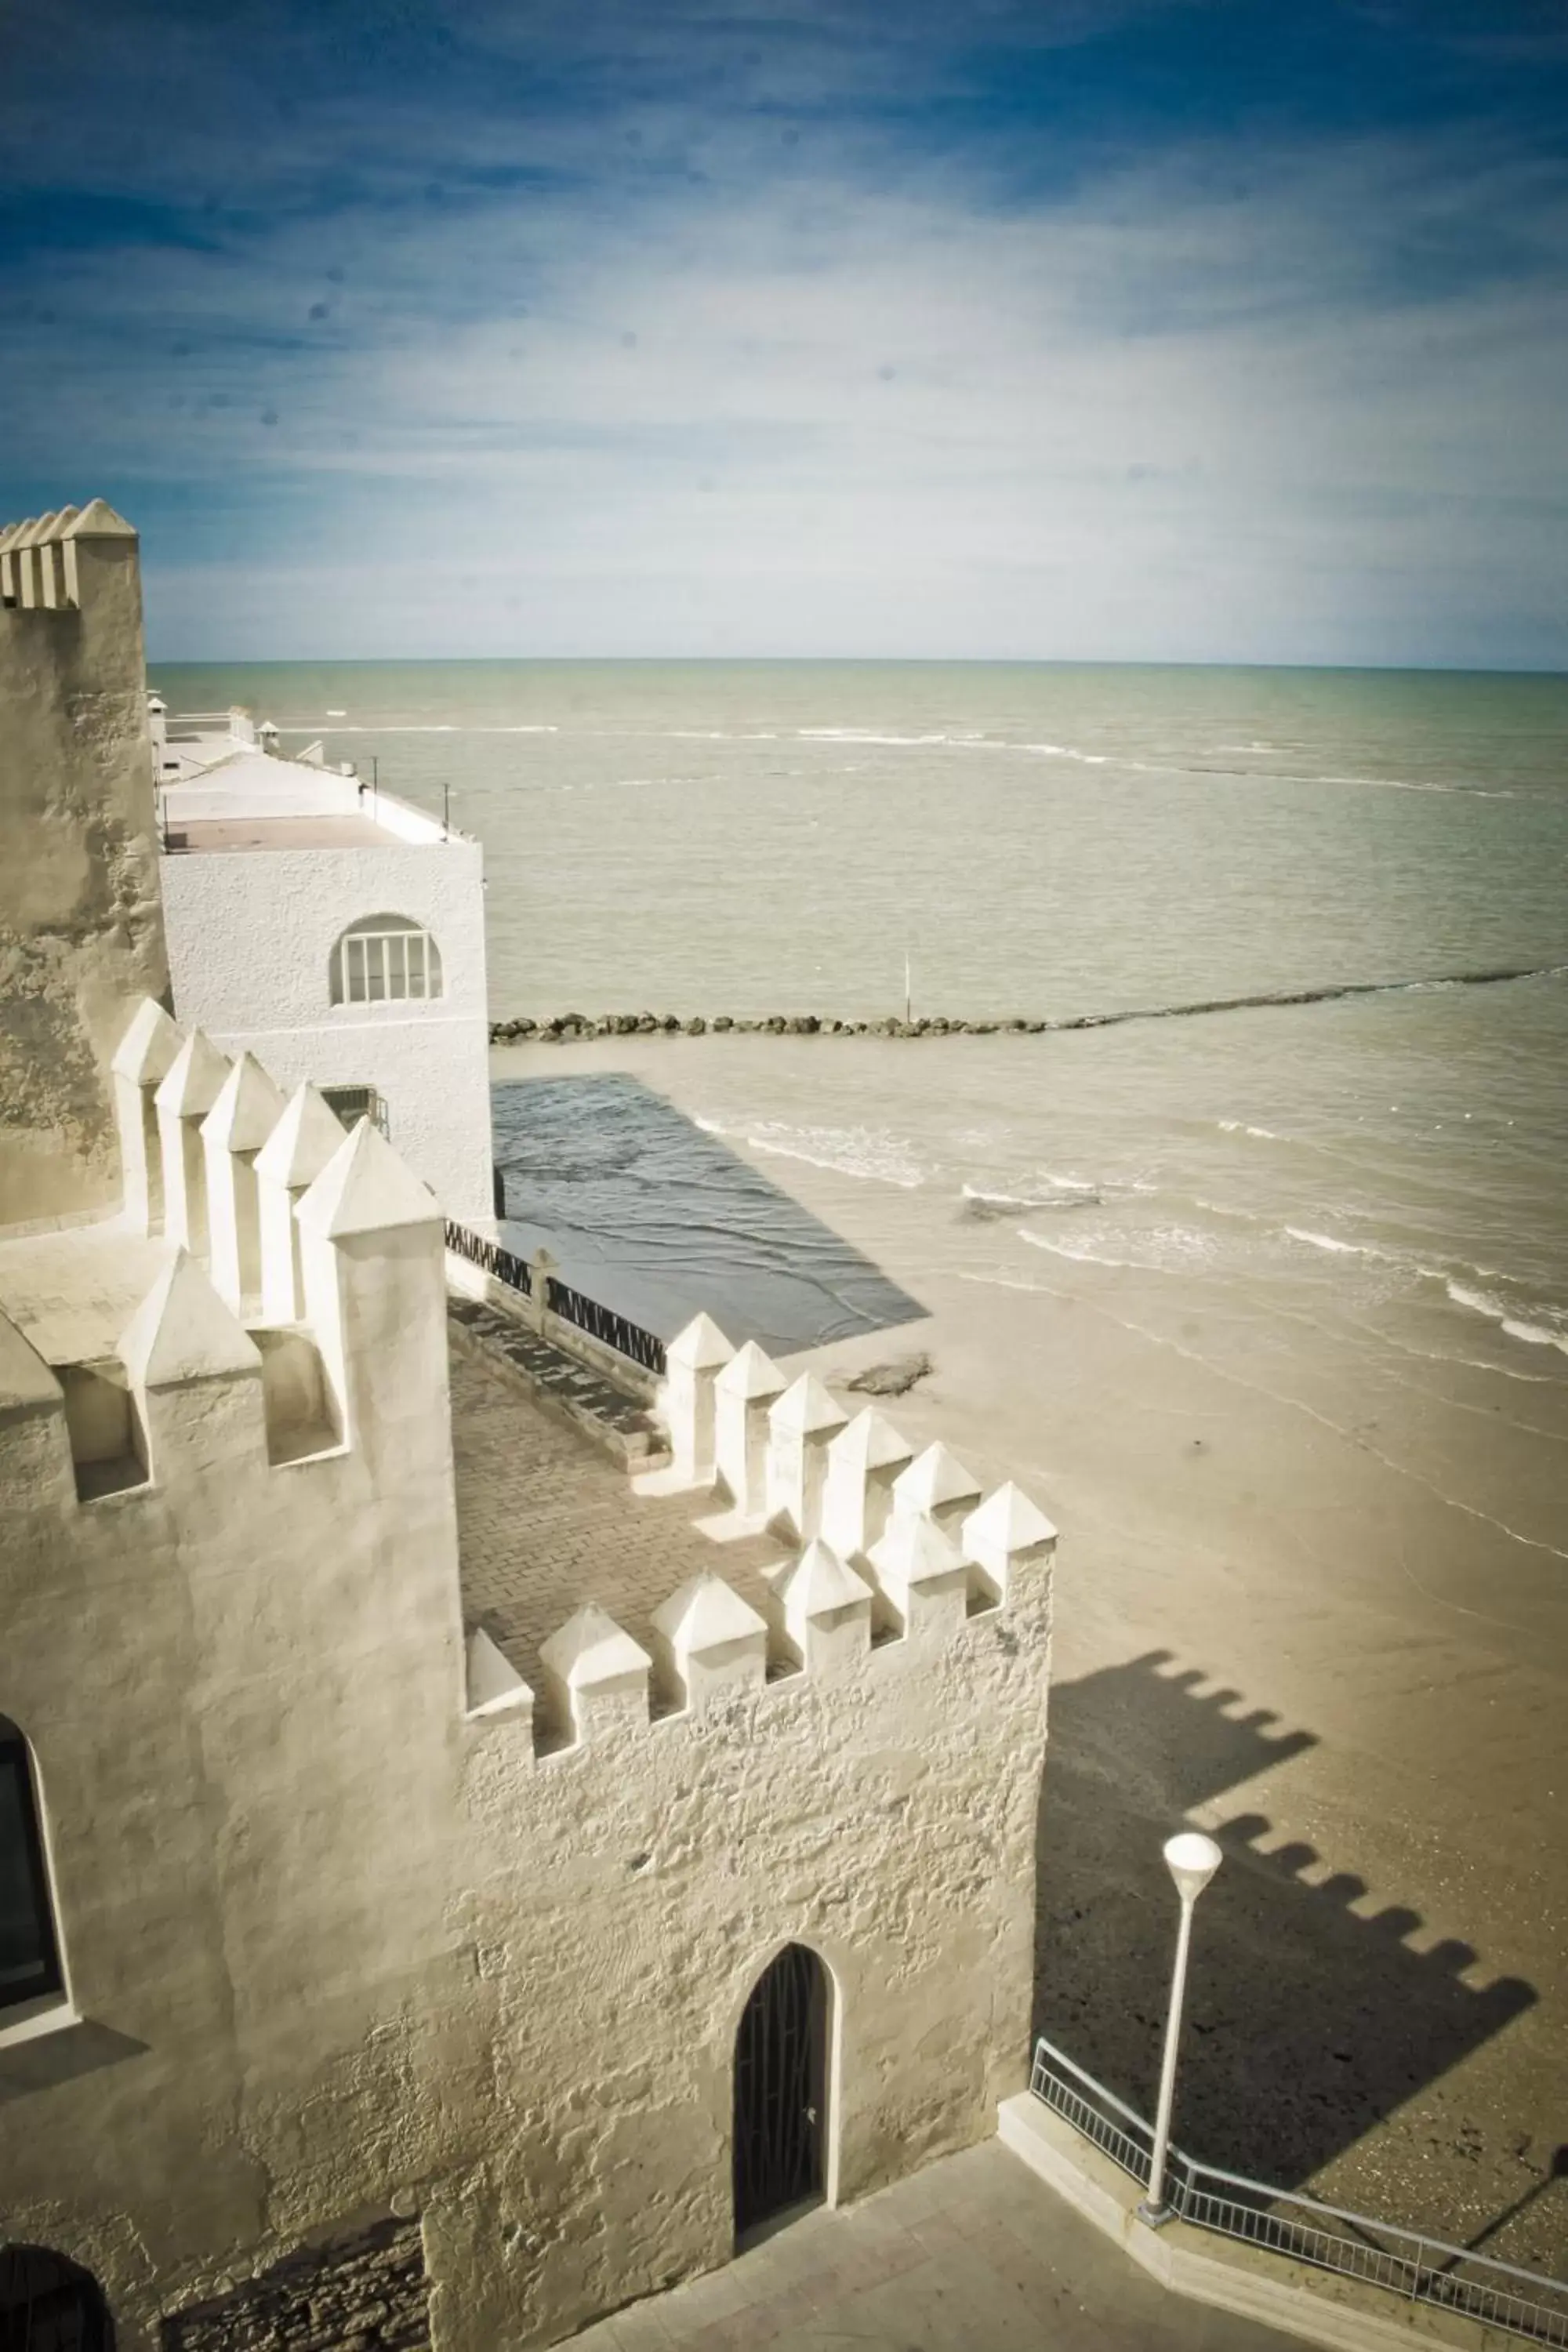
(335, 932)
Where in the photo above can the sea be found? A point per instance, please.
(1049, 842)
(1269, 1305)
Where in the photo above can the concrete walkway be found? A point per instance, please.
(972, 2254)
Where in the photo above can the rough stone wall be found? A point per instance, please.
(337, 1947)
(80, 926)
(365, 2293)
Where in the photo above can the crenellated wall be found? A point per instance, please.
(354, 1924)
(80, 926)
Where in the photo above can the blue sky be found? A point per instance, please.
(1187, 330)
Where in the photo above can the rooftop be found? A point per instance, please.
(263, 831)
(232, 794)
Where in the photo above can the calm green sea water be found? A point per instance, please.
(717, 837)
(753, 838)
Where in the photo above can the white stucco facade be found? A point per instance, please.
(254, 906)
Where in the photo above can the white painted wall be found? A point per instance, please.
(251, 934)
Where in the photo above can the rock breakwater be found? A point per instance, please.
(566, 1028)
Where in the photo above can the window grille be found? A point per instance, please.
(351, 1104)
(386, 960)
(29, 1956)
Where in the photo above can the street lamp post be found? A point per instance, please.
(1192, 1860)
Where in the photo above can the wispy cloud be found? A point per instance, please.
(725, 329)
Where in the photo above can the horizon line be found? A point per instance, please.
(845, 661)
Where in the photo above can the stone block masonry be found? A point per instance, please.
(82, 932)
(364, 2293)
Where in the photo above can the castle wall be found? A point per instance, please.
(250, 936)
(80, 931)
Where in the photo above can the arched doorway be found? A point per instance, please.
(50, 2305)
(781, 2090)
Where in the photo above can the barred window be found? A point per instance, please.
(384, 959)
(29, 1954)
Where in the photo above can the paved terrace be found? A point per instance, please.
(972, 2254)
(547, 1522)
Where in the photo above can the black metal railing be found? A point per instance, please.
(601, 1323)
(502, 1265)
(1301, 2228)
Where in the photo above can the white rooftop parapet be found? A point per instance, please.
(492, 1684)
(248, 1107)
(595, 1676)
(863, 1462)
(143, 1060)
(800, 1426)
(744, 1395)
(922, 1582)
(189, 1089)
(1006, 1533)
(708, 1641)
(195, 1373)
(39, 563)
(305, 1138)
(373, 1254)
(936, 1486)
(692, 1361)
(826, 1612)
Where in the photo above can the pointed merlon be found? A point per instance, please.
(193, 1079)
(182, 1331)
(494, 1685)
(27, 1384)
(365, 1188)
(36, 533)
(868, 1442)
(702, 1347)
(915, 1551)
(819, 1584)
(591, 1650)
(304, 1139)
(705, 1614)
(750, 1375)
(146, 1052)
(64, 520)
(807, 1408)
(248, 1107)
(935, 1481)
(1007, 1521)
(98, 520)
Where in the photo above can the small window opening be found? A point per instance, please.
(351, 1104)
(29, 1950)
(386, 960)
(109, 1446)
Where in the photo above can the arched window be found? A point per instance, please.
(29, 1951)
(384, 959)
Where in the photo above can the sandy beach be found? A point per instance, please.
(1274, 1620)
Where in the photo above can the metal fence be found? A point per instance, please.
(501, 1264)
(601, 1323)
(1407, 2263)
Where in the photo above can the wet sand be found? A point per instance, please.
(1269, 1624)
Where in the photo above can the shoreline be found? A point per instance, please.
(1381, 1771)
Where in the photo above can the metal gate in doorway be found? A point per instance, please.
(781, 2090)
(50, 2305)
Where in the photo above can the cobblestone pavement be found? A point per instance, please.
(972, 2254)
(547, 1522)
